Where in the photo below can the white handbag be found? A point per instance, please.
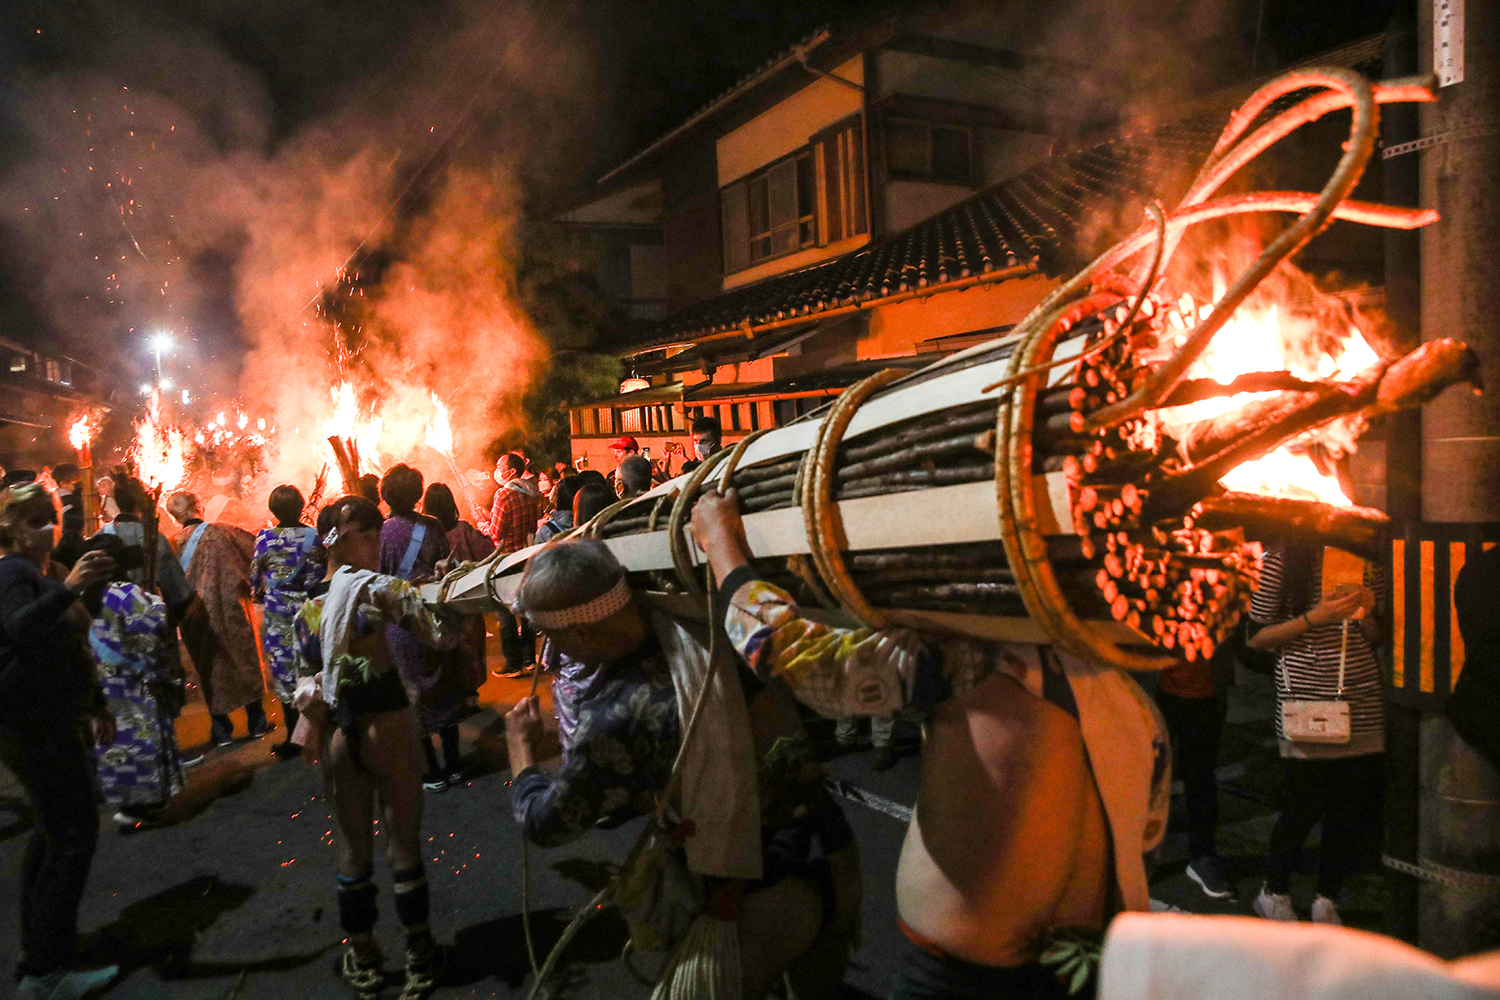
(1308, 721)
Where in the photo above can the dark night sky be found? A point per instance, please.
(272, 87)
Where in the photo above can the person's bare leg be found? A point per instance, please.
(777, 924)
(396, 755)
(819, 971)
(353, 794)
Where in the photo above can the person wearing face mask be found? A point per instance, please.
(707, 435)
(348, 677)
(511, 525)
(51, 709)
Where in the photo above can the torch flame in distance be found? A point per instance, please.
(1257, 341)
(80, 433)
(160, 449)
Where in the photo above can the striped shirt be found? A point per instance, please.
(1308, 666)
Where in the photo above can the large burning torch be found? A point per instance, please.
(80, 436)
(160, 456)
(440, 440)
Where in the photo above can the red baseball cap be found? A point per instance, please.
(625, 444)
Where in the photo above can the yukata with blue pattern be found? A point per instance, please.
(287, 564)
(142, 767)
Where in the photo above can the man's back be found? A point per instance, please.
(1008, 840)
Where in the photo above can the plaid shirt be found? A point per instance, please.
(513, 518)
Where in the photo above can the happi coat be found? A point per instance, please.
(142, 766)
(287, 563)
(218, 633)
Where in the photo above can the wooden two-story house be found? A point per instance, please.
(874, 197)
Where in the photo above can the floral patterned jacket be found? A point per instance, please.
(391, 601)
(627, 735)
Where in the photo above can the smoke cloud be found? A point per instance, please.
(164, 187)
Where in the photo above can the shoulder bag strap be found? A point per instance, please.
(418, 534)
(192, 546)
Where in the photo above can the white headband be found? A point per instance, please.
(600, 608)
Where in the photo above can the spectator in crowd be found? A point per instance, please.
(108, 509)
(512, 523)
(217, 630)
(546, 482)
(1326, 642)
(369, 487)
(560, 521)
(882, 731)
(634, 476)
(70, 495)
(17, 477)
(1474, 708)
(288, 563)
(135, 505)
(590, 500)
(1194, 701)
(51, 709)
(467, 544)
(141, 768)
(348, 677)
(707, 439)
(411, 546)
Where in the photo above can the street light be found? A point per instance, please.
(160, 341)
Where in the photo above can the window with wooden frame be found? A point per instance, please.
(839, 155)
(929, 151)
(771, 213)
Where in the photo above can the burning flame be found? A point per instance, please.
(439, 432)
(80, 433)
(160, 450)
(348, 423)
(1260, 341)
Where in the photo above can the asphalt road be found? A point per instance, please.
(234, 896)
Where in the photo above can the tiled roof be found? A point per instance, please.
(1053, 217)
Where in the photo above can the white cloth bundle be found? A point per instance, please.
(1170, 956)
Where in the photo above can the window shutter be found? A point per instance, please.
(736, 227)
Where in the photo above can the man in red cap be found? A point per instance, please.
(621, 448)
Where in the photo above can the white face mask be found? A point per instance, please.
(500, 476)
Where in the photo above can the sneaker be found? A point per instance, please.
(66, 984)
(423, 970)
(1205, 871)
(435, 783)
(455, 778)
(1325, 912)
(286, 750)
(223, 741)
(1275, 905)
(261, 728)
(883, 759)
(190, 761)
(363, 972)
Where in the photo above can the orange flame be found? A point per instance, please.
(1258, 341)
(348, 423)
(160, 449)
(80, 433)
(439, 432)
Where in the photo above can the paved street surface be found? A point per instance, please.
(234, 896)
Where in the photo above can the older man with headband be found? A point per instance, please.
(798, 918)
